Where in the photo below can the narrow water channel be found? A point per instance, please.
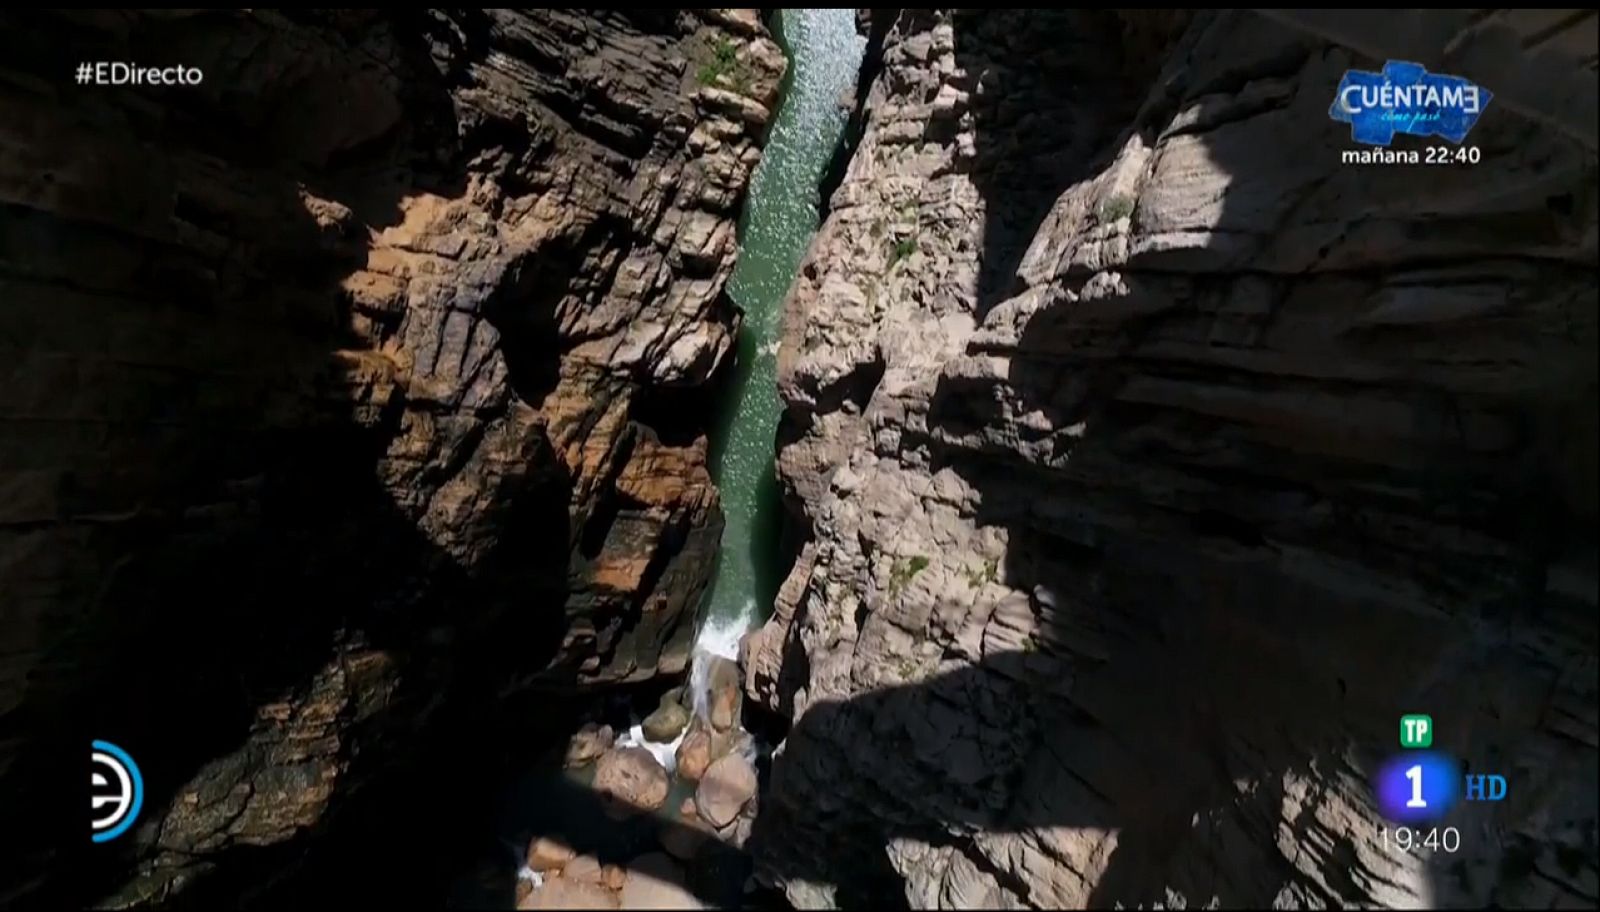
(555, 804)
(778, 222)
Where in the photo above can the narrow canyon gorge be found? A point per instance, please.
(817, 458)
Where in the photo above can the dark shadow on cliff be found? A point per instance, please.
(1149, 702)
(1194, 669)
(1048, 90)
(873, 25)
(1170, 680)
(548, 803)
(230, 535)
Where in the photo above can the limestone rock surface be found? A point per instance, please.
(341, 385)
(1149, 462)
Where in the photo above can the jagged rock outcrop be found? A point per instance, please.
(342, 384)
(1152, 463)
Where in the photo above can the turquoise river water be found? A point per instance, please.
(779, 220)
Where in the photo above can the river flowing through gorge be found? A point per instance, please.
(755, 459)
(779, 221)
(578, 835)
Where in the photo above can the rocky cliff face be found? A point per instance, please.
(340, 385)
(1153, 463)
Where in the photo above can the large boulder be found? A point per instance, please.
(630, 782)
(561, 893)
(727, 786)
(679, 695)
(694, 755)
(667, 722)
(732, 741)
(613, 876)
(725, 695)
(584, 869)
(685, 836)
(590, 742)
(737, 833)
(655, 881)
(546, 854)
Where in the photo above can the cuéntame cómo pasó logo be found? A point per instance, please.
(1406, 98)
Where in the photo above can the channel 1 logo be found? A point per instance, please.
(1420, 785)
(117, 798)
(1417, 787)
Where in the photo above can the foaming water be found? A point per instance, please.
(719, 637)
(779, 219)
(665, 752)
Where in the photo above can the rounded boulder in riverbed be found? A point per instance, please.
(546, 854)
(630, 782)
(694, 755)
(666, 722)
(727, 786)
(684, 837)
(724, 694)
(561, 893)
(590, 742)
(737, 833)
(656, 882)
(613, 876)
(584, 869)
(732, 741)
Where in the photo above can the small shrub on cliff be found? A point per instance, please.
(903, 248)
(988, 573)
(724, 66)
(901, 573)
(1117, 207)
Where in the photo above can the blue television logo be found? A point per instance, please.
(1417, 786)
(1406, 98)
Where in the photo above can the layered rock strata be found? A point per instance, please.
(346, 381)
(1152, 462)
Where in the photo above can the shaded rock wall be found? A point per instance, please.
(342, 385)
(1154, 463)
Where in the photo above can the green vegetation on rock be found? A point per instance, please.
(1117, 207)
(976, 577)
(724, 69)
(903, 248)
(902, 572)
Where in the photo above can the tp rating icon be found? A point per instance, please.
(1416, 731)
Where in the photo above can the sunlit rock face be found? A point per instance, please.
(1151, 463)
(359, 378)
